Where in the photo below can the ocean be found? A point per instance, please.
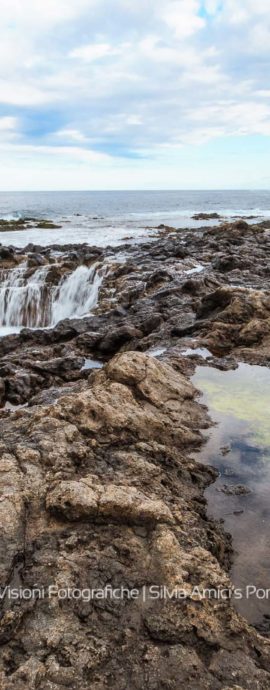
(103, 218)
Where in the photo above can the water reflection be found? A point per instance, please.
(201, 351)
(92, 364)
(239, 447)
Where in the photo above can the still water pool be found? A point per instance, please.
(238, 446)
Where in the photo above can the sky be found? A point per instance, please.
(134, 94)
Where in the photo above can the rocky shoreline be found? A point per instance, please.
(98, 483)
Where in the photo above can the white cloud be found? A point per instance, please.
(205, 74)
(134, 120)
(237, 119)
(8, 124)
(244, 11)
(92, 52)
(9, 131)
(182, 18)
(118, 123)
(71, 135)
(63, 154)
(259, 39)
(212, 6)
(262, 93)
(17, 93)
(144, 79)
(37, 13)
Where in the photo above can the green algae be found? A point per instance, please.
(25, 223)
(243, 394)
(47, 225)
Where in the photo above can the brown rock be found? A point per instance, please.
(98, 490)
(92, 501)
(2, 392)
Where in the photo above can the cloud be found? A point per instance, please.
(235, 119)
(82, 85)
(37, 13)
(182, 17)
(244, 11)
(71, 135)
(134, 120)
(8, 124)
(212, 6)
(9, 130)
(18, 94)
(48, 154)
(92, 52)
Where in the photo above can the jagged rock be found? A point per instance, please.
(2, 392)
(49, 396)
(159, 276)
(6, 253)
(92, 501)
(235, 490)
(100, 492)
(234, 664)
(115, 339)
(206, 216)
(12, 514)
(58, 366)
(151, 323)
(225, 263)
(88, 340)
(220, 299)
(36, 260)
(20, 388)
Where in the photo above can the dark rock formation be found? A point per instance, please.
(206, 216)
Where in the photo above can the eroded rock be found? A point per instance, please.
(89, 500)
(100, 492)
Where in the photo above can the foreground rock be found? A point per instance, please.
(98, 490)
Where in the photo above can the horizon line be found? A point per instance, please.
(157, 189)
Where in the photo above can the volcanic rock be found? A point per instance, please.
(98, 490)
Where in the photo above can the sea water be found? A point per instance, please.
(103, 218)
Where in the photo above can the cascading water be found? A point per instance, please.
(22, 298)
(76, 294)
(32, 302)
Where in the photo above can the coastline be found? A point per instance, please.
(99, 484)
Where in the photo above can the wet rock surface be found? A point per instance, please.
(98, 486)
(206, 216)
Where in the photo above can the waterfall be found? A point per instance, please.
(76, 294)
(22, 299)
(32, 302)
